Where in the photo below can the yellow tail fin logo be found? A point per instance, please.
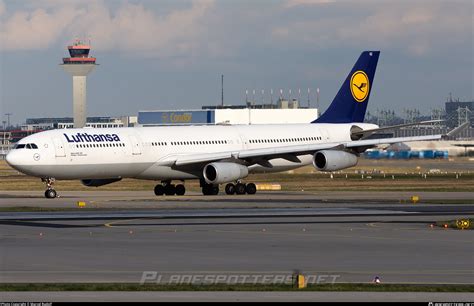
(359, 86)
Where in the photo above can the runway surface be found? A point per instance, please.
(276, 199)
(349, 240)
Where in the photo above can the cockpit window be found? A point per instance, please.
(27, 146)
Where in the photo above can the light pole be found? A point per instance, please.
(4, 135)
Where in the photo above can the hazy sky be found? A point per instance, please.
(170, 54)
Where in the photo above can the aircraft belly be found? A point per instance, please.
(156, 172)
(86, 171)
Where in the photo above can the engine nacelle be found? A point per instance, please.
(333, 160)
(222, 172)
(99, 182)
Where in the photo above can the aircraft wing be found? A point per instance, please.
(291, 153)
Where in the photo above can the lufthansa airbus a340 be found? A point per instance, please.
(218, 154)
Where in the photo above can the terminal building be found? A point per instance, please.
(281, 113)
(41, 124)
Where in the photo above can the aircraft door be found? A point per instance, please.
(59, 147)
(136, 150)
(244, 141)
(325, 134)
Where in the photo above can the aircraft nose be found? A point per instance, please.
(13, 159)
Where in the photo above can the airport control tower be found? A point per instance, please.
(79, 65)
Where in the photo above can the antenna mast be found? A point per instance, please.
(222, 95)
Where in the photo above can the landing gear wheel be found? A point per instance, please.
(206, 190)
(240, 188)
(180, 189)
(250, 188)
(210, 189)
(50, 193)
(170, 189)
(159, 190)
(230, 189)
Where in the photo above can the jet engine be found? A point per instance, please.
(99, 182)
(222, 172)
(333, 160)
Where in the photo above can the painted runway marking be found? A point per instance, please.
(111, 224)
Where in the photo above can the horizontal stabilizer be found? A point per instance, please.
(361, 134)
(457, 130)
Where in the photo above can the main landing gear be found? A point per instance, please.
(166, 188)
(240, 188)
(210, 189)
(50, 193)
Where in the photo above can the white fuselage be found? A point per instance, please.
(137, 152)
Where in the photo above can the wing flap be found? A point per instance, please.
(182, 160)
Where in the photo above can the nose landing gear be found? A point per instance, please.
(50, 193)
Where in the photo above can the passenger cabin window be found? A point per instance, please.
(284, 140)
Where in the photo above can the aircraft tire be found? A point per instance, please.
(206, 190)
(250, 188)
(180, 189)
(240, 188)
(170, 189)
(50, 194)
(230, 189)
(159, 190)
